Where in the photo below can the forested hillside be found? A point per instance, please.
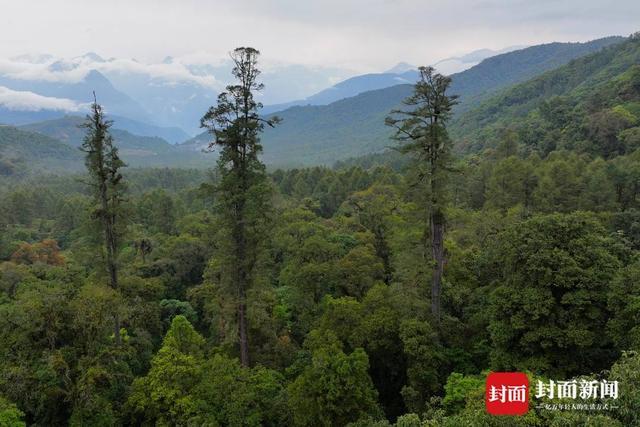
(23, 152)
(311, 135)
(583, 105)
(64, 136)
(323, 134)
(67, 129)
(379, 292)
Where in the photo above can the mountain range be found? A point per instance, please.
(52, 146)
(596, 94)
(173, 93)
(169, 97)
(457, 64)
(354, 126)
(341, 126)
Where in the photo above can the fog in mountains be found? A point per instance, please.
(156, 105)
(173, 93)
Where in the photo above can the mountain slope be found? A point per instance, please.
(66, 129)
(518, 66)
(588, 101)
(325, 133)
(355, 126)
(136, 150)
(24, 152)
(351, 87)
(81, 91)
(498, 69)
(457, 64)
(172, 134)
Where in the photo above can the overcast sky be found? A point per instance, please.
(361, 35)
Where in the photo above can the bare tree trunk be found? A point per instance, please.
(383, 252)
(242, 332)
(241, 281)
(243, 336)
(437, 253)
(111, 247)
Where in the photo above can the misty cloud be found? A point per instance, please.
(73, 70)
(29, 101)
(364, 35)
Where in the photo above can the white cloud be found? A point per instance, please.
(366, 35)
(28, 101)
(74, 70)
(173, 72)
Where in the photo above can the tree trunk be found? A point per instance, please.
(437, 253)
(383, 252)
(111, 247)
(242, 332)
(242, 277)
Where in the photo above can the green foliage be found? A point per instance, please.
(10, 415)
(172, 307)
(586, 105)
(627, 372)
(183, 387)
(335, 388)
(243, 192)
(458, 389)
(164, 396)
(422, 349)
(549, 303)
(624, 304)
(540, 271)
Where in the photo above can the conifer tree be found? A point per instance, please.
(243, 190)
(103, 165)
(422, 132)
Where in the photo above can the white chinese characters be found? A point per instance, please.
(510, 393)
(573, 389)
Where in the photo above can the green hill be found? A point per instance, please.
(136, 150)
(352, 127)
(355, 126)
(23, 152)
(591, 104)
(68, 129)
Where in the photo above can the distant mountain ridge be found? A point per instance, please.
(592, 78)
(548, 55)
(172, 93)
(350, 127)
(36, 118)
(399, 74)
(23, 152)
(136, 150)
(82, 92)
(517, 66)
(351, 87)
(457, 64)
(354, 126)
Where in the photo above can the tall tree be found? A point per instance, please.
(243, 191)
(104, 164)
(422, 132)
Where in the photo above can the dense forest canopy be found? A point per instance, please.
(252, 296)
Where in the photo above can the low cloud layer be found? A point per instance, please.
(50, 69)
(364, 35)
(28, 101)
(204, 72)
